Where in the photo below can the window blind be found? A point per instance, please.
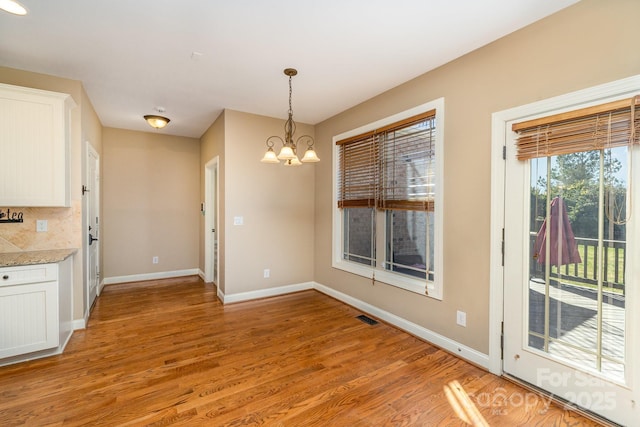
(607, 125)
(407, 166)
(391, 167)
(358, 171)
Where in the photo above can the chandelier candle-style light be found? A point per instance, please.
(289, 153)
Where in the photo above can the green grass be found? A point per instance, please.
(588, 253)
(590, 257)
(586, 268)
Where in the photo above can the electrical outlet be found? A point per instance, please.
(41, 225)
(461, 318)
(266, 273)
(155, 260)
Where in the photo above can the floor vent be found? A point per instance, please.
(366, 319)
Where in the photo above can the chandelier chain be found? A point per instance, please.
(290, 92)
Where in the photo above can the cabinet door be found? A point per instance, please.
(28, 318)
(34, 147)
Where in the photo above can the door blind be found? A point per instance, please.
(608, 125)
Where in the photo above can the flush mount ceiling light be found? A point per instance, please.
(288, 153)
(12, 6)
(156, 121)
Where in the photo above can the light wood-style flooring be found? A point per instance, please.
(168, 352)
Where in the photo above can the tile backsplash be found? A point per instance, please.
(64, 229)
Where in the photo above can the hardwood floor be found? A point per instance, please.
(168, 353)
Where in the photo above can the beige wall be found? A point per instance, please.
(276, 203)
(151, 203)
(587, 44)
(65, 224)
(212, 146)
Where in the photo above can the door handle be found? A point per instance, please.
(92, 239)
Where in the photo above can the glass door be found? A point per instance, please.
(569, 263)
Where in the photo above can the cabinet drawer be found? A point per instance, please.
(10, 276)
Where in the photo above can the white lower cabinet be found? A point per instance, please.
(33, 318)
(28, 318)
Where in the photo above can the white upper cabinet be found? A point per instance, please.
(34, 147)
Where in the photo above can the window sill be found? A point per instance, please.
(401, 281)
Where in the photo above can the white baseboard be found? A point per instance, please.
(80, 323)
(100, 287)
(264, 293)
(63, 345)
(201, 274)
(150, 276)
(448, 344)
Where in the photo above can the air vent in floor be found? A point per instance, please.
(367, 319)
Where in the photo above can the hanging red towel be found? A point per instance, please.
(564, 249)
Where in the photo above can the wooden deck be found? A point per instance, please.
(573, 324)
(169, 353)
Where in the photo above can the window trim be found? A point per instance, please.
(433, 289)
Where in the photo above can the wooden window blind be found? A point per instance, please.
(607, 125)
(391, 167)
(358, 171)
(407, 166)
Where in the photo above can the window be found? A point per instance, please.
(388, 192)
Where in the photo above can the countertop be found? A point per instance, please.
(11, 259)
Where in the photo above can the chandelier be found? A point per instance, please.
(289, 150)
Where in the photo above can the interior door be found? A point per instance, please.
(568, 273)
(214, 222)
(211, 222)
(93, 220)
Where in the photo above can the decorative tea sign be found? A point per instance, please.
(10, 217)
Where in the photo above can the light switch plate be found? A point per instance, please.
(461, 318)
(238, 220)
(42, 225)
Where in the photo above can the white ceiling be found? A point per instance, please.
(135, 55)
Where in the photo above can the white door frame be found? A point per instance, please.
(211, 220)
(95, 192)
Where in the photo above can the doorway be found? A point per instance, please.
(91, 235)
(562, 295)
(211, 227)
